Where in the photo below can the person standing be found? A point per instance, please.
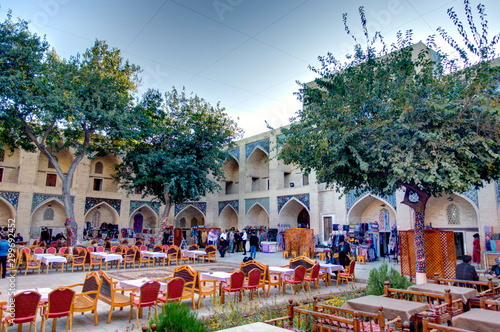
(212, 237)
(465, 271)
(45, 236)
(231, 241)
(237, 240)
(4, 251)
(244, 239)
(254, 243)
(476, 249)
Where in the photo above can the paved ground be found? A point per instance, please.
(119, 320)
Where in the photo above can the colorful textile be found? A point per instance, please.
(138, 219)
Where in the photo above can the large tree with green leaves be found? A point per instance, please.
(49, 104)
(401, 119)
(184, 147)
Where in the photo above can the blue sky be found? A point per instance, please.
(247, 54)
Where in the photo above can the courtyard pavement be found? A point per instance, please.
(119, 319)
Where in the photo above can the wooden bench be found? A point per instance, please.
(443, 308)
(428, 326)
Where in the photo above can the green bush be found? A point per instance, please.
(177, 318)
(382, 274)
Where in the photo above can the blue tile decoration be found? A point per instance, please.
(264, 202)
(202, 206)
(413, 197)
(235, 204)
(263, 144)
(280, 141)
(472, 195)
(134, 205)
(355, 195)
(303, 198)
(235, 153)
(40, 199)
(498, 192)
(90, 202)
(12, 197)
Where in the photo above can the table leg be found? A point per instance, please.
(62, 267)
(221, 294)
(47, 267)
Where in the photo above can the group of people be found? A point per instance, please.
(343, 250)
(45, 237)
(234, 241)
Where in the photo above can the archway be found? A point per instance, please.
(231, 175)
(50, 214)
(257, 216)
(228, 218)
(192, 217)
(367, 210)
(257, 168)
(295, 214)
(149, 217)
(6, 211)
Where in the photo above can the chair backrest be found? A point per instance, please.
(124, 241)
(113, 249)
(254, 277)
(60, 301)
(302, 261)
(92, 283)
(143, 248)
(138, 242)
(174, 288)
(119, 250)
(51, 250)
(42, 244)
(315, 271)
(158, 248)
(172, 250)
(210, 248)
(38, 251)
(149, 292)
(99, 249)
(248, 266)
(25, 305)
(94, 241)
(352, 265)
(90, 249)
(27, 250)
(187, 273)
(106, 285)
(237, 280)
(63, 250)
(193, 247)
(299, 273)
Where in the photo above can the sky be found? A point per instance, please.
(245, 54)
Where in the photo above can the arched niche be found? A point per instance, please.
(58, 215)
(228, 218)
(367, 210)
(149, 217)
(102, 212)
(101, 173)
(191, 215)
(7, 211)
(436, 212)
(292, 211)
(257, 170)
(231, 170)
(257, 216)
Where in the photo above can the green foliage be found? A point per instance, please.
(382, 121)
(177, 318)
(181, 154)
(379, 276)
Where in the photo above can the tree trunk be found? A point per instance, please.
(419, 208)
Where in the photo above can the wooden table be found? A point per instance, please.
(54, 259)
(329, 268)
(221, 277)
(478, 320)
(392, 307)
(107, 257)
(462, 293)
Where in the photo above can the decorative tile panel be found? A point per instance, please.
(498, 191)
(134, 205)
(12, 197)
(355, 195)
(235, 153)
(40, 199)
(472, 195)
(90, 202)
(264, 202)
(202, 206)
(303, 198)
(263, 144)
(235, 204)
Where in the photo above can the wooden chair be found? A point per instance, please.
(298, 279)
(428, 326)
(31, 263)
(361, 259)
(191, 283)
(173, 255)
(90, 249)
(347, 274)
(38, 251)
(193, 247)
(313, 276)
(235, 286)
(87, 299)
(92, 260)
(25, 310)
(138, 243)
(253, 282)
(129, 258)
(110, 294)
(147, 299)
(60, 304)
(124, 242)
(210, 253)
(79, 259)
(100, 249)
(107, 245)
(174, 291)
(51, 250)
(140, 259)
(489, 304)
(266, 277)
(301, 261)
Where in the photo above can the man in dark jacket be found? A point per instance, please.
(465, 271)
(254, 243)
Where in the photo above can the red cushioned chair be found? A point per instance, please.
(51, 250)
(253, 282)
(147, 299)
(235, 285)
(38, 251)
(298, 279)
(25, 309)
(313, 276)
(347, 274)
(174, 291)
(60, 305)
(99, 249)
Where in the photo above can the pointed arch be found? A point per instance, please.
(191, 214)
(104, 218)
(150, 218)
(291, 211)
(228, 217)
(367, 209)
(7, 210)
(257, 216)
(59, 213)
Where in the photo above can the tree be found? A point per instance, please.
(49, 104)
(385, 121)
(183, 149)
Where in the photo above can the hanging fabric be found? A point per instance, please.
(138, 219)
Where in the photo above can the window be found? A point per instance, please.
(97, 184)
(51, 180)
(305, 179)
(453, 215)
(1, 174)
(98, 169)
(50, 166)
(137, 191)
(48, 214)
(327, 223)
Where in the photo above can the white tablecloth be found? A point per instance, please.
(154, 254)
(53, 259)
(39, 256)
(331, 267)
(192, 253)
(107, 257)
(137, 283)
(283, 270)
(219, 276)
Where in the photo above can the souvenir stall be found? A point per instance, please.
(492, 244)
(203, 235)
(280, 236)
(299, 240)
(364, 240)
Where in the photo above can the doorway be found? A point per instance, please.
(459, 245)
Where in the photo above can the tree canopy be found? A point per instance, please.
(180, 158)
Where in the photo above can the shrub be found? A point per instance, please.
(177, 318)
(382, 274)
